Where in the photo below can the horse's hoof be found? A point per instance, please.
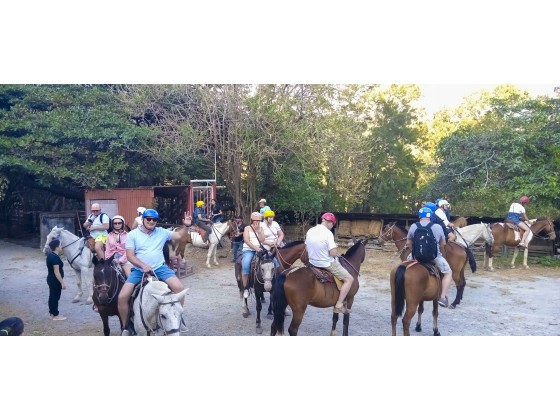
(333, 332)
(452, 306)
(436, 333)
(89, 301)
(269, 316)
(526, 267)
(208, 265)
(216, 263)
(245, 314)
(259, 330)
(418, 328)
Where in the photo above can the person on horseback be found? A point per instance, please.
(273, 234)
(441, 217)
(424, 214)
(144, 249)
(216, 214)
(116, 240)
(138, 218)
(97, 224)
(237, 241)
(201, 220)
(518, 215)
(323, 253)
(263, 206)
(253, 238)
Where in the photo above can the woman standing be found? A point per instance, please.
(55, 278)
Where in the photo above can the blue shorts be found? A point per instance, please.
(162, 273)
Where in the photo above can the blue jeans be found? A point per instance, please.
(237, 246)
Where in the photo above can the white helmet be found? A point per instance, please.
(118, 217)
(443, 203)
(141, 210)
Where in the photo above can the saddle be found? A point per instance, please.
(516, 231)
(325, 276)
(432, 268)
(201, 232)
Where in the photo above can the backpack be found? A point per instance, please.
(424, 245)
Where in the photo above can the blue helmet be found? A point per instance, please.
(431, 206)
(424, 212)
(150, 213)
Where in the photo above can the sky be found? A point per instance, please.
(438, 97)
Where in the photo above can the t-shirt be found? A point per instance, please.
(198, 212)
(52, 260)
(252, 238)
(270, 232)
(240, 229)
(148, 248)
(98, 221)
(319, 241)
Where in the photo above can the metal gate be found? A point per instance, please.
(201, 189)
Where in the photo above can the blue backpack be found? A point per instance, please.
(424, 244)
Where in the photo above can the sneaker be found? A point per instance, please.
(125, 332)
(341, 310)
(245, 293)
(443, 302)
(58, 318)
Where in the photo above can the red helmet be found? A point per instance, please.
(329, 216)
(524, 199)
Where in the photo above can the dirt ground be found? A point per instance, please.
(507, 302)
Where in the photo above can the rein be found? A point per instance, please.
(110, 285)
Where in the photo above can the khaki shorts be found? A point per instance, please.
(338, 270)
(102, 238)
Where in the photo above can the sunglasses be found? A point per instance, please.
(117, 223)
(151, 219)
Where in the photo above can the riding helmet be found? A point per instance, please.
(118, 217)
(256, 216)
(424, 212)
(141, 210)
(268, 213)
(150, 213)
(431, 206)
(199, 203)
(524, 199)
(329, 216)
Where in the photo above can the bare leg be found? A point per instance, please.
(124, 297)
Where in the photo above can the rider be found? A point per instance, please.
(115, 245)
(263, 206)
(216, 211)
(201, 220)
(144, 249)
(253, 238)
(273, 234)
(323, 253)
(138, 218)
(441, 217)
(97, 224)
(237, 241)
(440, 262)
(518, 215)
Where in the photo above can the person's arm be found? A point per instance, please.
(135, 261)
(134, 224)
(103, 226)
(333, 252)
(89, 221)
(56, 269)
(280, 237)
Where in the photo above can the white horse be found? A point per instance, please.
(218, 231)
(79, 257)
(157, 310)
(468, 235)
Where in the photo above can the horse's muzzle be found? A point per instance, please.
(267, 286)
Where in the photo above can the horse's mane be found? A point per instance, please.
(352, 250)
(159, 286)
(293, 243)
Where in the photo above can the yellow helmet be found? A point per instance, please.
(199, 203)
(268, 213)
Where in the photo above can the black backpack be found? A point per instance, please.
(424, 244)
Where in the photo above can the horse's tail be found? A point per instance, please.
(279, 303)
(399, 289)
(472, 261)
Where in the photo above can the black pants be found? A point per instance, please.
(55, 290)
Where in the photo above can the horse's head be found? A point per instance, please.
(105, 282)
(53, 234)
(266, 269)
(544, 225)
(169, 311)
(487, 233)
(386, 233)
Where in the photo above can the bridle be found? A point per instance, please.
(389, 234)
(106, 287)
(78, 254)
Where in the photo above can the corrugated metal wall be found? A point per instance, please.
(123, 201)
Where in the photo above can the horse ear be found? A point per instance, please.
(182, 293)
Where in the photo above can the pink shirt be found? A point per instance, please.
(116, 245)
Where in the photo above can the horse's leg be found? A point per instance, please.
(105, 319)
(79, 293)
(345, 324)
(258, 294)
(419, 320)
(408, 315)
(515, 252)
(269, 315)
(87, 277)
(297, 317)
(209, 254)
(435, 316)
(334, 321)
(525, 255)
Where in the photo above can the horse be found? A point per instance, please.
(261, 278)
(460, 222)
(455, 254)
(157, 310)
(300, 287)
(79, 257)
(468, 235)
(503, 235)
(194, 238)
(107, 284)
(413, 282)
(286, 257)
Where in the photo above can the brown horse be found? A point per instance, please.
(300, 287)
(107, 284)
(411, 281)
(504, 235)
(460, 222)
(286, 257)
(455, 254)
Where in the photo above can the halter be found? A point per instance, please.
(390, 234)
(104, 285)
